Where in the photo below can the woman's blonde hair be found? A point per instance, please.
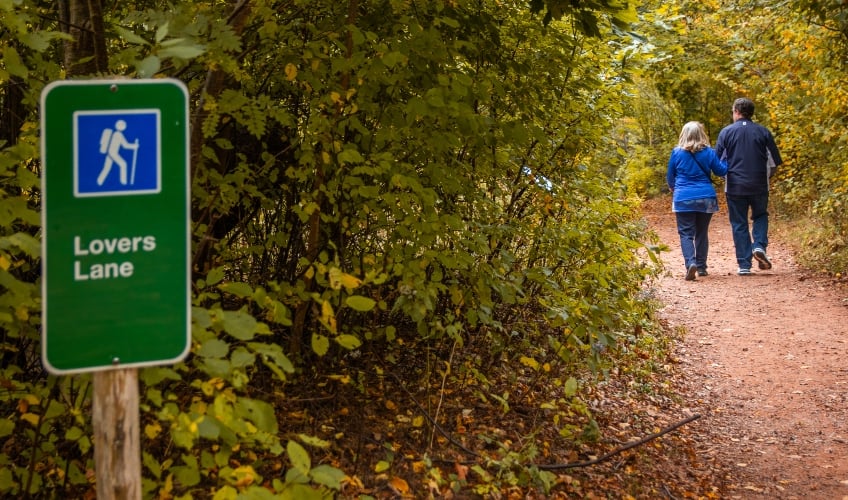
(693, 137)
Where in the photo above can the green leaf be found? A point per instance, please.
(152, 464)
(55, 408)
(161, 32)
(201, 318)
(181, 51)
(242, 358)
(280, 313)
(39, 41)
(84, 444)
(394, 58)
(213, 348)
(26, 178)
(6, 427)
(129, 36)
(240, 290)
(215, 275)
(328, 476)
(259, 412)
(349, 342)
(188, 474)
(360, 303)
(350, 156)
(240, 325)
(313, 441)
(216, 367)
(148, 67)
(295, 476)
(7, 481)
(25, 242)
(299, 457)
(73, 433)
(320, 344)
(274, 353)
(13, 62)
(570, 387)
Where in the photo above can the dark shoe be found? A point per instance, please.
(703, 272)
(763, 261)
(691, 272)
(743, 272)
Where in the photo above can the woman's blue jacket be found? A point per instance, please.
(688, 173)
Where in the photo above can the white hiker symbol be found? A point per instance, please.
(111, 143)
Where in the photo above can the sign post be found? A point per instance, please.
(115, 249)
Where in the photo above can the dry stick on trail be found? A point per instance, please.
(620, 448)
(549, 467)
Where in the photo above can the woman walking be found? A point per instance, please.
(694, 198)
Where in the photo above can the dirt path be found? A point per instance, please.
(764, 358)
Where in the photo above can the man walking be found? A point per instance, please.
(111, 143)
(752, 158)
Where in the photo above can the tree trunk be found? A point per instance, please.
(86, 53)
(12, 111)
(216, 81)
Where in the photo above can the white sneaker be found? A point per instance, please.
(763, 261)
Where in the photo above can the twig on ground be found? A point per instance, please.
(618, 450)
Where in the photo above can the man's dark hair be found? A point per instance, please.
(744, 106)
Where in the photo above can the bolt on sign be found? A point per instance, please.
(115, 219)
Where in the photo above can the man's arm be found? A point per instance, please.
(772, 149)
(719, 147)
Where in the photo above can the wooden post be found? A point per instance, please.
(117, 450)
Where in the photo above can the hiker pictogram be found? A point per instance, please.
(117, 153)
(111, 142)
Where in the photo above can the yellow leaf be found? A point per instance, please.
(328, 317)
(350, 282)
(22, 313)
(340, 279)
(4, 263)
(31, 418)
(152, 430)
(345, 379)
(382, 466)
(399, 485)
(532, 363)
(291, 71)
(166, 493)
(353, 481)
(244, 476)
(418, 421)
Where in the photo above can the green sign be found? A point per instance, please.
(115, 216)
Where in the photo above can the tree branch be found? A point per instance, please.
(621, 448)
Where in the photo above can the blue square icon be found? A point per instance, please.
(117, 153)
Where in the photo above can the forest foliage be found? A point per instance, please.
(395, 204)
(789, 57)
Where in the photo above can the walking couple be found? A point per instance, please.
(747, 156)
